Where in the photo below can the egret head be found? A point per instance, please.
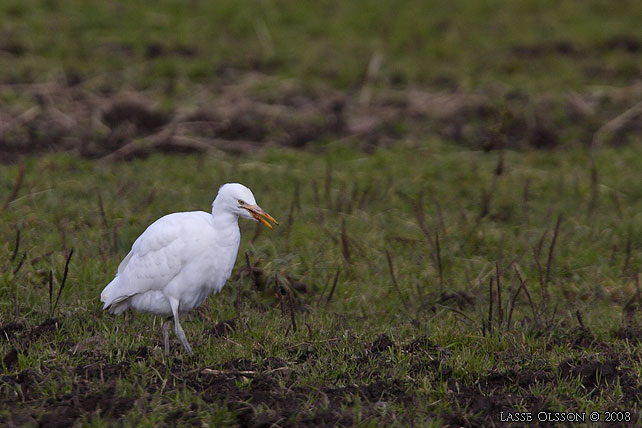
(239, 200)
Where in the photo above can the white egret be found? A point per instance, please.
(181, 258)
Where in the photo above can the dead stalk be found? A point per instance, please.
(64, 280)
(392, 274)
(101, 209)
(551, 249)
(16, 246)
(500, 310)
(490, 305)
(594, 187)
(16, 186)
(440, 217)
(345, 242)
(334, 285)
(578, 314)
(522, 283)
(539, 270)
(439, 264)
(20, 263)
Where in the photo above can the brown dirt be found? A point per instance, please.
(266, 391)
(237, 117)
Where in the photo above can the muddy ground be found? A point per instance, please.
(269, 392)
(241, 114)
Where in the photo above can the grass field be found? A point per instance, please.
(456, 186)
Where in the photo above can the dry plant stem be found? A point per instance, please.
(615, 124)
(440, 217)
(549, 262)
(64, 280)
(439, 264)
(20, 263)
(16, 186)
(334, 285)
(101, 209)
(50, 291)
(513, 299)
(490, 305)
(594, 187)
(345, 242)
(392, 274)
(528, 294)
(578, 315)
(539, 270)
(500, 310)
(16, 246)
(328, 186)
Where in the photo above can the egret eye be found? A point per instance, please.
(241, 202)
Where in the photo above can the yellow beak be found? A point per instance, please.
(260, 215)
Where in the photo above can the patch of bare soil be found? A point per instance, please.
(267, 391)
(241, 115)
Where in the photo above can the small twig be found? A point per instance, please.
(16, 186)
(439, 264)
(20, 263)
(334, 285)
(528, 295)
(615, 124)
(594, 187)
(539, 270)
(490, 305)
(549, 262)
(101, 208)
(512, 304)
(345, 242)
(325, 287)
(50, 291)
(64, 280)
(500, 310)
(16, 247)
(392, 274)
(579, 318)
(440, 218)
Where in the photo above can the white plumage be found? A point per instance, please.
(181, 258)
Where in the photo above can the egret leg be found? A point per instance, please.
(177, 325)
(166, 325)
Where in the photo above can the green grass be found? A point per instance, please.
(465, 43)
(416, 349)
(57, 208)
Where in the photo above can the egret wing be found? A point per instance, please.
(158, 255)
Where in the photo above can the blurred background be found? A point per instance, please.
(91, 76)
